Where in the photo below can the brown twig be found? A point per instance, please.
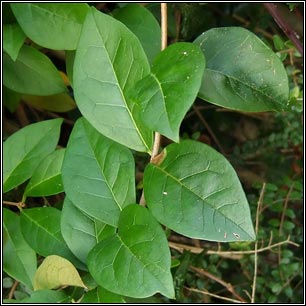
(12, 290)
(210, 131)
(229, 287)
(205, 292)
(284, 25)
(259, 204)
(228, 254)
(16, 204)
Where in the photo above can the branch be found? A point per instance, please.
(284, 25)
(226, 285)
(205, 292)
(228, 254)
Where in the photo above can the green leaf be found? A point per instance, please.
(52, 25)
(25, 149)
(59, 103)
(32, 73)
(144, 25)
(168, 92)
(242, 73)
(80, 231)
(101, 295)
(109, 61)
(13, 39)
(41, 229)
(10, 98)
(98, 174)
(136, 261)
(56, 271)
(46, 179)
(19, 259)
(46, 296)
(196, 192)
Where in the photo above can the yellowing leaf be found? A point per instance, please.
(56, 271)
(59, 103)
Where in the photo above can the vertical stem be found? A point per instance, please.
(164, 36)
(157, 136)
(259, 204)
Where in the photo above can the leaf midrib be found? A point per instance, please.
(120, 89)
(203, 200)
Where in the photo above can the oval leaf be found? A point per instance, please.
(168, 92)
(24, 150)
(144, 25)
(32, 73)
(19, 259)
(46, 179)
(41, 229)
(98, 174)
(102, 296)
(13, 39)
(80, 231)
(242, 73)
(137, 255)
(109, 61)
(196, 192)
(52, 25)
(55, 103)
(56, 271)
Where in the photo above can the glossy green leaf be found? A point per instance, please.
(25, 149)
(19, 259)
(56, 271)
(41, 229)
(32, 73)
(52, 25)
(11, 99)
(109, 61)
(196, 192)
(242, 73)
(59, 103)
(98, 174)
(46, 297)
(168, 92)
(144, 25)
(102, 296)
(46, 179)
(136, 261)
(80, 231)
(13, 39)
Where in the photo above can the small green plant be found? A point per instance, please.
(129, 92)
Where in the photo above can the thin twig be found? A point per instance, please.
(259, 204)
(17, 204)
(229, 254)
(280, 230)
(157, 136)
(226, 285)
(12, 290)
(205, 292)
(209, 130)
